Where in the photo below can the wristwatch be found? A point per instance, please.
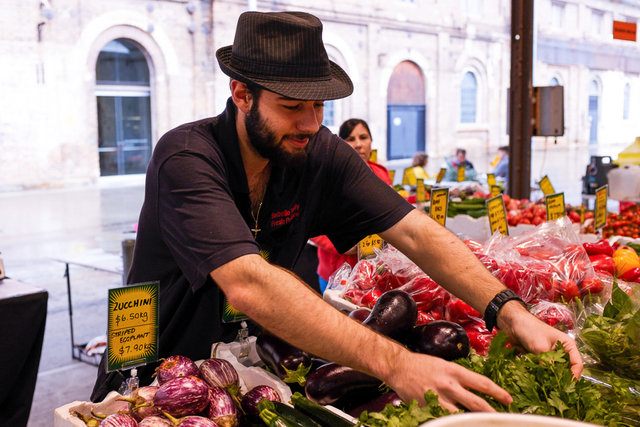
(494, 306)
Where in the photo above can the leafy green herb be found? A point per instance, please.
(405, 415)
(613, 338)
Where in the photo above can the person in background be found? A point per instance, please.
(357, 134)
(419, 165)
(501, 170)
(460, 159)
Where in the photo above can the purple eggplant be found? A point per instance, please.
(289, 363)
(155, 421)
(221, 373)
(182, 396)
(119, 420)
(196, 421)
(377, 404)
(440, 338)
(253, 397)
(141, 403)
(175, 366)
(331, 382)
(222, 408)
(393, 315)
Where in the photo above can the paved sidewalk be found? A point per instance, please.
(40, 225)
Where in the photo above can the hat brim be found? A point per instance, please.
(338, 86)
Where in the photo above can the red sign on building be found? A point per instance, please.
(624, 30)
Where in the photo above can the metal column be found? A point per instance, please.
(520, 97)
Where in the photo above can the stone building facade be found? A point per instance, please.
(428, 74)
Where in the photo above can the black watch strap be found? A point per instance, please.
(494, 306)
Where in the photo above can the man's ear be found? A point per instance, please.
(241, 96)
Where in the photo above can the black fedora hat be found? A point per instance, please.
(283, 53)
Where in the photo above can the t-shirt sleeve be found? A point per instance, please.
(358, 202)
(198, 219)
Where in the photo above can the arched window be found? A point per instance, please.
(554, 82)
(124, 117)
(406, 112)
(468, 98)
(625, 107)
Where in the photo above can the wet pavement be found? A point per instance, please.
(39, 226)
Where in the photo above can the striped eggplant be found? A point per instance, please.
(119, 420)
(251, 399)
(141, 403)
(196, 421)
(175, 366)
(155, 421)
(221, 373)
(222, 408)
(182, 396)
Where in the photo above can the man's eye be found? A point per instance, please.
(292, 107)
(319, 105)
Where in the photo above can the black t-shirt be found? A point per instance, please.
(196, 217)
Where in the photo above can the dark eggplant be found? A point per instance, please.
(440, 338)
(288, 362)
(331, 382)
(377, 404)
(360, 314)
(393, 315)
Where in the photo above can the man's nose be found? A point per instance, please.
(310, 120)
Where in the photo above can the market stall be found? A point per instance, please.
(23, 314)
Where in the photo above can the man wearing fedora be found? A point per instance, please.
(231, 201)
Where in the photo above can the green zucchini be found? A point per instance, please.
(290, 414)
(272, 419)
(319, 413)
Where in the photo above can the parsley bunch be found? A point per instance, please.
(406, 414)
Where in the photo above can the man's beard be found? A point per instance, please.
(264, 140)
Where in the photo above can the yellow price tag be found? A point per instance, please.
(495, 190)
(545, 186)
(439, 205)
(461, 171)
(491, 179)
(582, 213)
(420, 191)
(441, 175)
(601, 207)
(132, 328)
(555, 206)
(392, 175)
(497, 215)
(367, 245)
(373, 156)
(408, 177)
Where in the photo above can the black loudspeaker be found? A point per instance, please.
(596, 174)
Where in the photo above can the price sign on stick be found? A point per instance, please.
(392, 175)
(491, 179)
(408, 176)
(497, 215)
(495, 190)
(367, 245)
(132, 328)
(601, 207)
(461, 170)
(545, 186)
(555, 206)
(421, 195)
(439, 205)
(373, 156)
(440, 176)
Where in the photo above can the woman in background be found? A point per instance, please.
(357, 134)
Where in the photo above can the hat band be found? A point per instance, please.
(271, 71)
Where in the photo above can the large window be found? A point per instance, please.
(557, 15)
(468, 98)
(596, 21)
(626, 100)
(124, 112)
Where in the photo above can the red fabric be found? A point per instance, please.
(329, 260)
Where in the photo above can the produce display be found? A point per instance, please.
(589, 289)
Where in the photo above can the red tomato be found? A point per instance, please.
(354, 295)
(567, 289)
(423, 318)
(369, 299)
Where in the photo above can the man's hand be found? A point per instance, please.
(535, 335)
(416, 373)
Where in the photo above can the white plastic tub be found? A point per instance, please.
(502, 420)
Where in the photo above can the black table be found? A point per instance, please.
(23, 314)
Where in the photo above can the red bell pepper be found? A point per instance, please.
(632, 275)
(601, 247)
(603, 262)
